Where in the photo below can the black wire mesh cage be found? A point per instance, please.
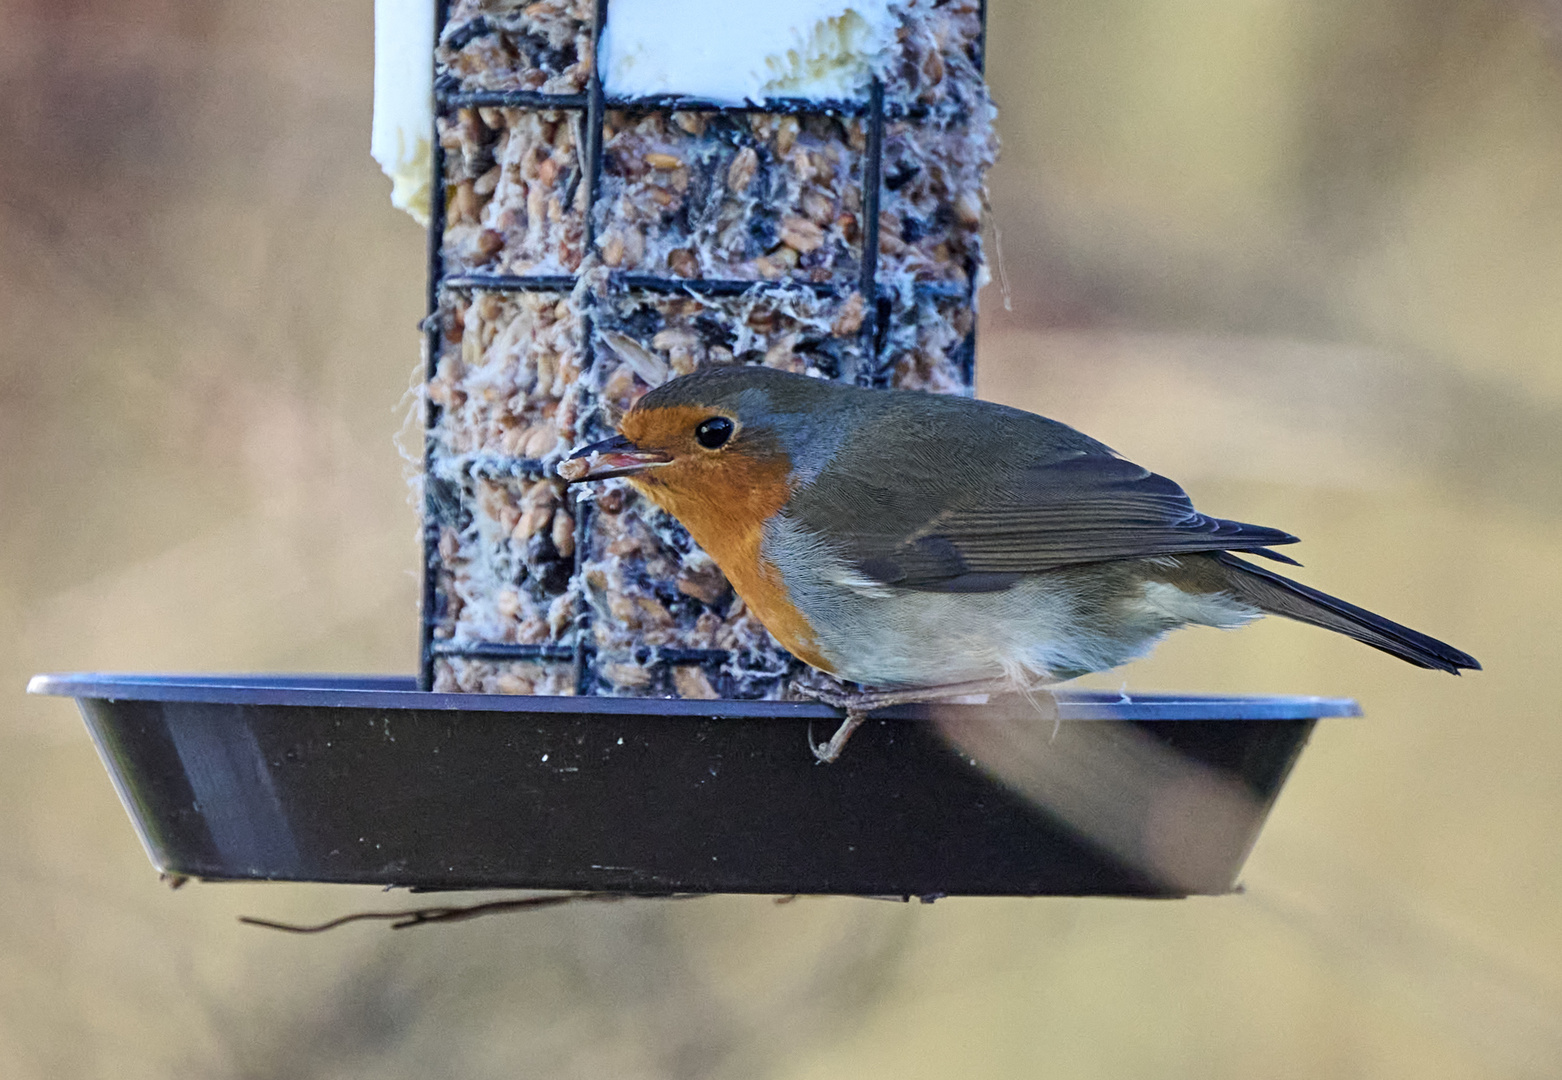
(583, 247)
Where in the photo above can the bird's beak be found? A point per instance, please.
(610, 457)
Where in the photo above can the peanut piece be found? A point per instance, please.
(742, 170)
(801, 235)
(691, 682)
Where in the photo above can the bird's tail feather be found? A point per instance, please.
(1276, 595)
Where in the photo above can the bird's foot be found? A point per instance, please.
(859, 703)
(827, 752)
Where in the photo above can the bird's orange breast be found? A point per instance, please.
(724, 502)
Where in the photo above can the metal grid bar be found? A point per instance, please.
(716, 286)
(510, 99)
(530, 99)
(512, 282)
(496, 650)
(981, 38)
(968, 347)
(873, 322)
(535, 101)
(433, 330)
(584, 508)
(494, 467)
(621, 282)
(595, 104)
(644, 654)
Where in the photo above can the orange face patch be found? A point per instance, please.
(724, 497)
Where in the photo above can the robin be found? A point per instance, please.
(928, 546)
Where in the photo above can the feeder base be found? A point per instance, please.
(367, 780)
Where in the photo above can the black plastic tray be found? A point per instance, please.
(353, 779)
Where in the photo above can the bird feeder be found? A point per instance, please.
(595, 709)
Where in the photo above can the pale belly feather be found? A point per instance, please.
(1053, 625)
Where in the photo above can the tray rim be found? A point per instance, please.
(399, 692)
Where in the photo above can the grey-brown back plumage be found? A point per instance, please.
(926, 491)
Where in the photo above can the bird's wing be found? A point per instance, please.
(939, 526)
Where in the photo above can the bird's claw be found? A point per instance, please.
(857, 705)
(828, 752)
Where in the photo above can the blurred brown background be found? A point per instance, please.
(1306, 258)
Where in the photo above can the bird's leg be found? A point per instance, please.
(827, 752)
(859, 703)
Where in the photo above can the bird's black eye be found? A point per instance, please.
(713, 433)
